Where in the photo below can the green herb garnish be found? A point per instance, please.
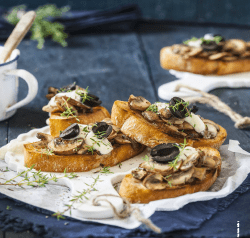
(152, 108)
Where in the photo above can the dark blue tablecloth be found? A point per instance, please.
(193, 220)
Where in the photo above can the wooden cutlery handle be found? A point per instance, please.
(17, 35)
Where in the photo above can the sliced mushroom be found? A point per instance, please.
(51, 109)
(122, 139)
(165, 113)
(112, 135)
(139, 173)
(76, 103)
(50, 95)
(65, 147)
(235, 46)
(151, 116)
(46, 138)
(245, 54)
(138, 103)
(181, 177)
(83, 150)
(208, 162)
(53, 90)
(108, 121)
(218, 56)
(200, 173)
(163, 169)
(190, 161)
(207, 121)
(210, 132)
(155, 182)
(195, 51)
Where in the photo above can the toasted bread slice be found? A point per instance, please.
(36, 154)
(170, 60)
(59, 123)
(136, 127)
(135, 192)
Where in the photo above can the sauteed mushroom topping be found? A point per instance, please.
(102, 129)
(213, 47)
(164, 153)
(65, 147)
(70, 132)
(138, 103)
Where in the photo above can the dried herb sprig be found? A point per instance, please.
(77, 198)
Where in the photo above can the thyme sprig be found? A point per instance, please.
(69, 111)
(84, 95)
(169, 181)
(181, 147)
(152, 108)
(80, 197)
(37, 179)
(106, 170)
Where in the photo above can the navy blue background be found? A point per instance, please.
(222, 11)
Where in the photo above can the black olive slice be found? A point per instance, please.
(178, 108)
(102, 129)
(164, 153)
(68, 87)
(70, 132)
(194, 109)
(92, 100)
(211, 46)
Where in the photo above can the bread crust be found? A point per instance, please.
(134, 191)
(75, 163)
(170, 60)
(136, 127)
(58, 123)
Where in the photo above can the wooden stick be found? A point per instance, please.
(17, 35)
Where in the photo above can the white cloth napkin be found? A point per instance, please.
(203, 82)
(53, 197)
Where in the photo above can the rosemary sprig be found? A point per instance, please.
(77, 198)
(37, 179)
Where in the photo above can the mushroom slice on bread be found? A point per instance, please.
(171, 170)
